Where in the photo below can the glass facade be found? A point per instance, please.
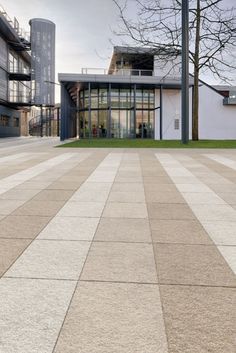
(116, 112)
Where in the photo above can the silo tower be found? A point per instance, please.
(42, 61)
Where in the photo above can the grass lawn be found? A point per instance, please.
(148, 143)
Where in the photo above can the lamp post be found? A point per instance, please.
(185, 72)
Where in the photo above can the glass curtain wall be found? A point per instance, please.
(116, 112)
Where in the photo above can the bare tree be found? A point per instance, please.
(212, 33)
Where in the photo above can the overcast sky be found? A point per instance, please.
(83, 28)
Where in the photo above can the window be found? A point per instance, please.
(16, 122)
(176, 124)
(4, 120)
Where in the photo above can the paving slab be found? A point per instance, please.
(70, 228)
(125, 210)
(22, 226)
(114, 317)
(179, 231)
(39, 208)
(169, 211)
(51, 259)
(31, 313)
(192, 265)
(199, 319)
(120, 262)
(10, 250)
(82, 209)
(123, 230)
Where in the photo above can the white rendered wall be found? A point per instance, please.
(216, 121)
(171, 110)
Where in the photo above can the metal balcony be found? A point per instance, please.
(229, 100)
(20, 75)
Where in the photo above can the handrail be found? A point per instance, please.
(122, 72)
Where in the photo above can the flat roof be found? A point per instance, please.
(171, 82)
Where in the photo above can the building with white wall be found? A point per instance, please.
(139, 97)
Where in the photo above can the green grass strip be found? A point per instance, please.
(147, 143)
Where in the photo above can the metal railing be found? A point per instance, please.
(121, 72)
(229, 100)
(20, 70)
(18, 98)
(15, 25)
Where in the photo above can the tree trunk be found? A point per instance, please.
(196, 74)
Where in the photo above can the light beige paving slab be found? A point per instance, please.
(123, 187)
(214, 212)
(125, 210)
(126, 196)
(16, 194)
(192, 265)
(82, 209)
(70, 228)
(203, 198)
(31, 313)
(229, 253)
(126, 179)
(178, 231)
(51, 259)
(221, 232)
(190, 188)
(114, 317)
(22, 226)
(10, 249)
(124, 262)
(123, 229)
(8, 206)
(157, 180)
(199, 319)
(92, 192)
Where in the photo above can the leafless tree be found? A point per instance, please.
(212, 33)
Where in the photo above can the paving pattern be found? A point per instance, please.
(116, 250)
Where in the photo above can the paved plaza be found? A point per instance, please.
(116, 250)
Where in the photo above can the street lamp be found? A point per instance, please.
(185, 72)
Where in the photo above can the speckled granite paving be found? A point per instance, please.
(116, 250)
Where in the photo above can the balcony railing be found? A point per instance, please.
(121, 72)
(229, 100)
(15, 25)
(20, 99)
(20, 70)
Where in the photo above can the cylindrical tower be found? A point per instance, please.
(42, 61)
